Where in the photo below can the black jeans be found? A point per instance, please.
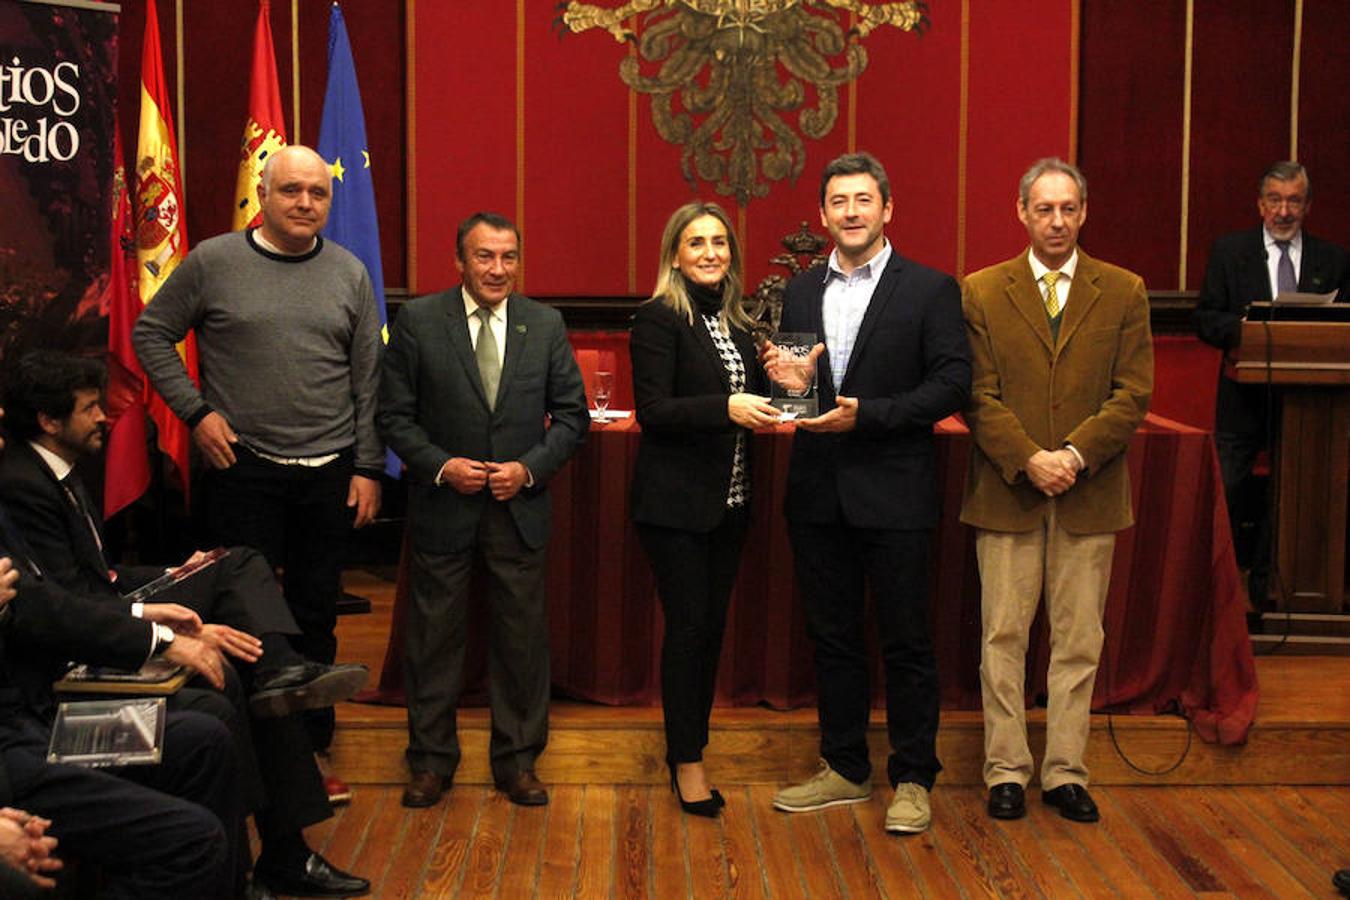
(694, 575)
(297, 516)
(836, 565)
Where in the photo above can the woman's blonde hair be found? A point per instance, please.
(670, 286)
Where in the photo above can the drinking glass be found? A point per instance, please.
(604, 386)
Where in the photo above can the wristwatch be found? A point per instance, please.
(163, 639)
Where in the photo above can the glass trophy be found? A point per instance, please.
(796, 394)
(108, 732)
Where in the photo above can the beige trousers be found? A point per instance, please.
(1075, 571)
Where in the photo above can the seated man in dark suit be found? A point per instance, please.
(55, 416)
(1244, 267)
(154, 831)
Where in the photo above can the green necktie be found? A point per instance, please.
(489, 364)
(1051, 296)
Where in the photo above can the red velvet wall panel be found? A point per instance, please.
(1130, 145)
(1239, 115)
(598, 182)
(1020, 65)
(1324, 115)
(588, 232)
(1244, 57)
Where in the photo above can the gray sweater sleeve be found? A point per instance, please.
(166, 320)
(367, 344)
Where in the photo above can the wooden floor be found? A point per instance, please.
(632, 841)
(1222, 825)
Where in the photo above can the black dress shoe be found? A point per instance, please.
(307, 685)
(1341, 880)
(425, 789)
(1073, 801)
(318, 878)
(256, 890)
(1007, 801)
(524, 789)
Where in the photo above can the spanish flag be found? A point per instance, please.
(265, 130)
(161, 236)
(126, 466)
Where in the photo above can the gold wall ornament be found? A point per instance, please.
(736, 67)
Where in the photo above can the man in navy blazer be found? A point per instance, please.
(1245, 267)
(482, 399)
(862, 495)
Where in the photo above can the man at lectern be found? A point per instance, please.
(1257, 265)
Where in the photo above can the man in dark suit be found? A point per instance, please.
(861, 494)
(1244, 267)
(56, 418)
(1063, 371)
(481, 397)
(163, 830)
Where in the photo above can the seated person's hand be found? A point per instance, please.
(181, 619)
(231, 641)
(25, 846)
(9, 580)
(199, 656)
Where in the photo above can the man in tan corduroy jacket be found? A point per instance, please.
(1063, 370)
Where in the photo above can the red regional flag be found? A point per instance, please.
(265, 130)
(126, 466)
(161, 237)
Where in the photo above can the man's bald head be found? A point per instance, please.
(295, 194)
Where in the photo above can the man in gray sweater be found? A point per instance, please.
(289, 344)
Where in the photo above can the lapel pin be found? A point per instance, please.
(520, 329)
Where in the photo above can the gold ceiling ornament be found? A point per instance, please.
(736, 67)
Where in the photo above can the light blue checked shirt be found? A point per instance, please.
(845, 302)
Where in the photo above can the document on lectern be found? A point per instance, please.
(98, 733)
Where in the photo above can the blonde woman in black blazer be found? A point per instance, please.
(698, 386)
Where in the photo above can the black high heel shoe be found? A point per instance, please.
(709, 808)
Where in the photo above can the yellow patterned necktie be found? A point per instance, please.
(1051, 295)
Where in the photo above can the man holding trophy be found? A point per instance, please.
(861, 493)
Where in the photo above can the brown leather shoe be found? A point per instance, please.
(524, 789)
(425, 789)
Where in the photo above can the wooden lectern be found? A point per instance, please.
(1309, 363)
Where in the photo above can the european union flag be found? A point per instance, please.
(342, 142)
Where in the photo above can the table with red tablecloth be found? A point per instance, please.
(1176, 638)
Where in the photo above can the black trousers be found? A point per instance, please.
(694, 575)
(240, 591)
(279, 781)
(837, 565)
(1237, 453)
(518, 660)
(165, 830)
(298, 517)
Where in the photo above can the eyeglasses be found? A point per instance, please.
(1275, 201)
